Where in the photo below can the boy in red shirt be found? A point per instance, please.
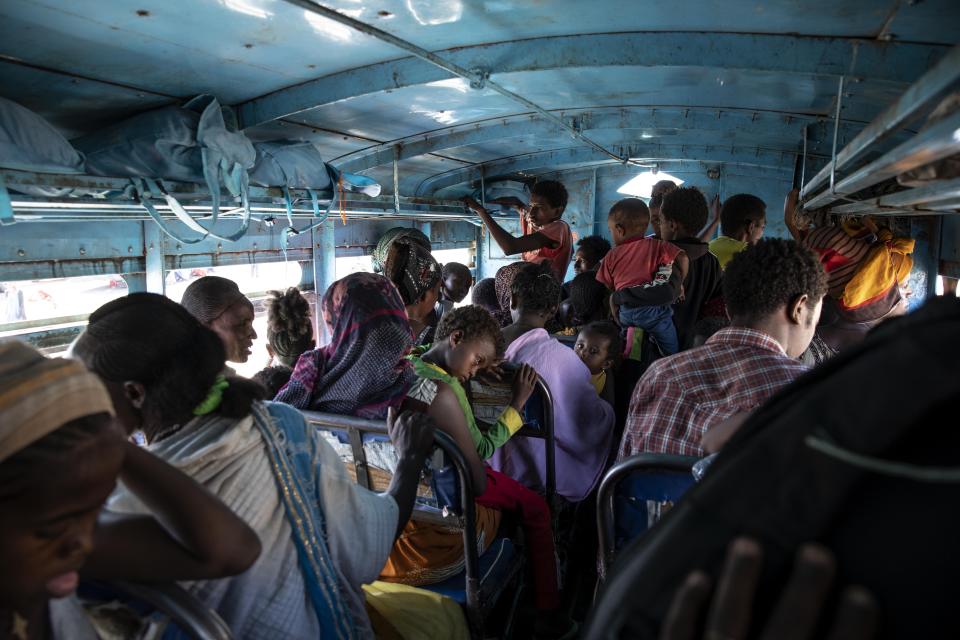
(639, 261)
(546, 237)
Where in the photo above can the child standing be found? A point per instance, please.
(637, 261)
(546, 237)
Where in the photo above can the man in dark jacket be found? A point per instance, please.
(683, 214)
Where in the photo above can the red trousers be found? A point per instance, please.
(506, 494)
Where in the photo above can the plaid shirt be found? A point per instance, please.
(681, 396)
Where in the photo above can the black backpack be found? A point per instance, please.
(861, 454)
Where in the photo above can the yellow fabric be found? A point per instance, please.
(888, 264)
(417, 614)
(511, 420)
(725, 248)
(599, 381)
(38, 395)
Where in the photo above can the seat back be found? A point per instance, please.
(631, 497)
(537, 422)
(359, 429)
(190, 617)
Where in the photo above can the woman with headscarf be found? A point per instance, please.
(417, 276)
(503, 282)
(379, 257)
(219, 305)
(60, 455)
(323, 536)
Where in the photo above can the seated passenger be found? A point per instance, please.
(504, 280)
(457, 280)
(219, 305)
(590, 251)
(743, 218)
(485, 295)
(468, 341)
(599, 346)
(583, 422)
(773, 291)
(546, 236)
(636, 261)
(161, 367)
(587, 302)
(416, 274)
(289, 334)
(684, 212)
(60, 456)
(379, 256)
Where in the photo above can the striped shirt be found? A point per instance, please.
(681, 396)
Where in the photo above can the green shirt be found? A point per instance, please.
(486, 443)
(725, 248)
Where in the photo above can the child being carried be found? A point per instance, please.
(639, 261)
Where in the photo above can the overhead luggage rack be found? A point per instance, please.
(841, 184)
(92, 198)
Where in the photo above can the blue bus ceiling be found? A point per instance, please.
(728, 96)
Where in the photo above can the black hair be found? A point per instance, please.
(587, 296)
(687, 207)
(147, 338)
(412, 268)
(485, 294)
(553, 192)
(456, 269)
(207, 298)
(631, 213)
(739, 211)
(662, 188)
(273, 378)
(474, 321)
(769, 274)
(19, 472)
(594, 247)
(289, 328)
(609, 330)
(535, 288)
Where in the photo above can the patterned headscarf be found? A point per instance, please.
(412, 268)
(38, 395)
(379, 256)
(504, 281)
(362, 371)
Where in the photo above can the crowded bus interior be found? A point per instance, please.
(477, 319)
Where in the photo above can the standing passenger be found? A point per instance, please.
(743, 218)
(546, 237)
(657, 193)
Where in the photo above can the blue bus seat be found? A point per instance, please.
(629, 490)
(497, 567)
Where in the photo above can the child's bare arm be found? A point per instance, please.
(682, 262)
(707, 234)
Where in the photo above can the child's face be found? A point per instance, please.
(541, 213)
(456, 286)
(594, 351)
(467, 357)
(618, 232)
(46, 531)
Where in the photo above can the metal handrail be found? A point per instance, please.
(189, 613)
(467, 498)
(615, 475)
